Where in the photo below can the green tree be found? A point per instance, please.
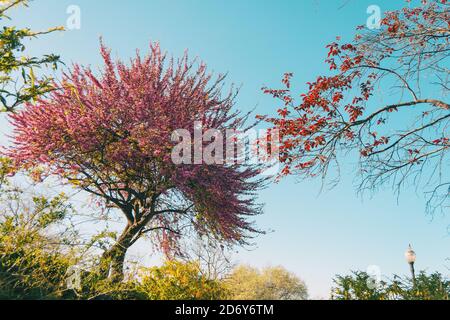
(273, 283)
(426, 287)
(18, 82)
(360, 286)
(33, 264)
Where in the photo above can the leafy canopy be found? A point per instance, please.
(274, 283)
(361, 286)
(18, 81)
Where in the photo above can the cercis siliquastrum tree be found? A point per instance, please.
(110, 135)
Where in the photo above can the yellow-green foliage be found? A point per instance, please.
(360, 286)
(15, 64)
(31, 267)
(179, 281)
(35, 265)
(32, 264)
(273, 283)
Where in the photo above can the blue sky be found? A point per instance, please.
(316, 235)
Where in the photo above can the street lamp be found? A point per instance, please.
(410, 256)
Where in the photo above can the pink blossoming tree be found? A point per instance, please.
(110, 135)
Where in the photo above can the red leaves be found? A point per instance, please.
(354, 112)
(319, 140)
(381, 141)
(286, 79)
(306, 165)
(393, 109)
(286, 171)
(370, 148)
(334, 49)
(287, 99)
(337, 97)
(413, 152)
(307, 146)
(392, 22)
(441, 141)
(364, 152)
(348, 47)
(283, 112)
(349, 135)
(332, 63)
(334, 111)
(393, 28)
(275, 93)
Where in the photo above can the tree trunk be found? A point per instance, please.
(112, 263)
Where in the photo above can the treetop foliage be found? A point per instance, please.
(404, 138)
(18, 80)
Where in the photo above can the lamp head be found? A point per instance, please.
(410, 255)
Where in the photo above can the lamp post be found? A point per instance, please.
(410, 256)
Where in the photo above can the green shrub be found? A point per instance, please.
(179, 281)
(360, 286)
